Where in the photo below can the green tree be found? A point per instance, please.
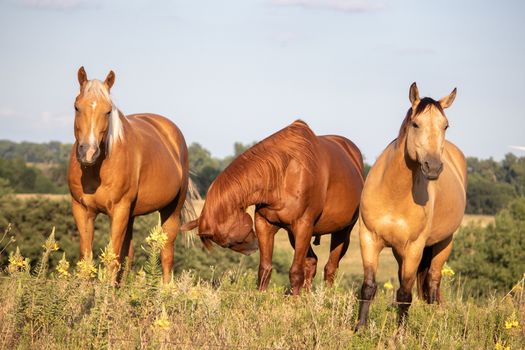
(492, 258)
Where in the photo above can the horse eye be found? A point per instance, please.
(415, 125)
(76, 109)
(108, 113)
(446, 127)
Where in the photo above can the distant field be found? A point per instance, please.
(55, 197)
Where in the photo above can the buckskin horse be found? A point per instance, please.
(124, 166)
(413, 200)
(309, 185)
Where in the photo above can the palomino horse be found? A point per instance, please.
(309, 185)
(413, 201)
(124, 166)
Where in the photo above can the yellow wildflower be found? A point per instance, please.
(511, 322)
(17, 262)
(63, 266)
(50, 243)
(86, 269)
(163, 322)
(388, 285)
(501, 346)
(108, 256)
(157, 236)
(447, 271)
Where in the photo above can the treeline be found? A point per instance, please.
(492, 184)
(42, 168)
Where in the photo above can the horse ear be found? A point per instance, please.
(446, 101)
(82, 76)
(188, 226)
(110, 79)
(413, 95)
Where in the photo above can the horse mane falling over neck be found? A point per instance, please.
(262, 168)
(115, 129)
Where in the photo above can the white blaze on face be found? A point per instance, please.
(92, 141)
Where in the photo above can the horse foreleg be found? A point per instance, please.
(85, 221)
(302, 232)
(126, 252)
(120, 219)
(310, 263)
(411, 257)
(440, 253)
(370, 249)
(170, 218)
(265, 235)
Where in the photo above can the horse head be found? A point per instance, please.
(425, 131)
(94, 112)
(229, 230)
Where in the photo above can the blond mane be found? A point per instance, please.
(115, 130)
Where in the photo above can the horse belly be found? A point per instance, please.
(159, 185)
(340, 206)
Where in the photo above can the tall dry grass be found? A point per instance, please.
(78, 308)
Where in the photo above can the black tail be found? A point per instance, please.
(422, 273)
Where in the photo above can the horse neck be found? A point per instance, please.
(400, 171)
(248, 188)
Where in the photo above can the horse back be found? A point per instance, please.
(153, 129)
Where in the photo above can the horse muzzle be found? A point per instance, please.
(431, 168)
(246, 248)
(87, 154)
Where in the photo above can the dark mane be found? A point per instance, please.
(266, 161)
(423, 105)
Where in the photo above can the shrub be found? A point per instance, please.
(492, 258)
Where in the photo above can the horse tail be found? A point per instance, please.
(422, 273)
(188, 212)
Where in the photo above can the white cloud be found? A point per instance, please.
(519, 148)
(6, 112)
(334, 5)
(416, 51)
(57, 4)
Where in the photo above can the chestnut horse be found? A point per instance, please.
(413, 201)
(124, 166)
(309, 185)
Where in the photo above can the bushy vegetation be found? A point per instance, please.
(493, 257)
(492, 185)
(30, 221)
(42, 168)
(66, 307)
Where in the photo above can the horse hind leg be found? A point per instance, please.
(437, 256)
(310, 268)
(339, 243)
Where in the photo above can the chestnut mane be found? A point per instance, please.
(264, 162)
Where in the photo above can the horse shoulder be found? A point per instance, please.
(456, 158)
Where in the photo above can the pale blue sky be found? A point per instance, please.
(239, 70)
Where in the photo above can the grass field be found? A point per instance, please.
(79, 309)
